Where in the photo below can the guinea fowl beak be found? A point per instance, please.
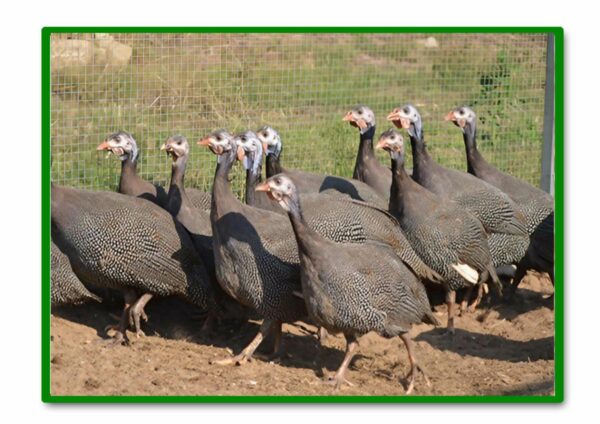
(381, 144)
(164, 146)
(394, 115)
(348, 117)
(450, 116)
(263, 187)
(240, 153)
(103, 146)
(204, 142)
(265, 147)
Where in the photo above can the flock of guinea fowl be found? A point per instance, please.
(348, 255)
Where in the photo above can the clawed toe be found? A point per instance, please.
(235, 360)
(337, 382)
(411, 376)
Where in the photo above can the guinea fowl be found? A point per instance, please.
(195, 220)
(256, 259)
(308, 182)
(353, 289)
(131, 245)
(324, 212)
(65, 287)
(536, 204)
(540, 253)
(500, 216)
(447, 237)
(367, 168)
(123, 145)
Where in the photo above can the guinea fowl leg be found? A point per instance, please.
(137, 311)
(450, 300)
(246, 355)
(338, 379)
(414, 366)
(322, 335)
(465, 301)
(481, 289)
(277, 345)
(129, 297)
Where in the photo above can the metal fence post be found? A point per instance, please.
(547, 180)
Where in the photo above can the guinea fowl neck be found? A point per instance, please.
(306, 237)
(253, 178)
(365, 150)
(400, 181)
(474, 159)
(128, 171)
(177, 195)
(273, 165)
(421, 158)
(222, 196)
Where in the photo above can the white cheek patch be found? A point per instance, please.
(468, 273)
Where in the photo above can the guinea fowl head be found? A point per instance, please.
(462, 116)
(253, 150)
(281, 189)
(176, 146)
(361, 117)
(221, 142)
(270, 140)
(392, 142)
(122, 144)
(407, 117)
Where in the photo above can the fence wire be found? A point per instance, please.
(156, 85)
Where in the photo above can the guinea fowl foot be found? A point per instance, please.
(238, 360)
(414, 366)
(118, 338)
(136, 311)
(246, 355)
(410, 377)
(322, 335)
(338, 381)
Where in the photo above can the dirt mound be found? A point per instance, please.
(499, 349)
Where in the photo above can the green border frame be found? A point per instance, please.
(558, 396)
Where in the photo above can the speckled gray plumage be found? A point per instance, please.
(199, 199)
(439, 230)
(355, 288)
(65, 287)
(338, 217)
(122, 242)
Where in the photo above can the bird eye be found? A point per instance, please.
(461, 111)
(179, 142)
(393, 137)
(278, 181)
(265, 134)
(360, 111)
(219, 138)
(118, 139)
(406, 110)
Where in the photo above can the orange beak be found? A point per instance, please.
(381, 144)
(265, 147)
(263, 187)
(240, 153)
(394, 115)
(103, 146)
(450, 116)
(204, 142)
(348, 117)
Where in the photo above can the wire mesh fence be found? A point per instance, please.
(155, 85)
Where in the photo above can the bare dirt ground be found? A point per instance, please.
(501, 349)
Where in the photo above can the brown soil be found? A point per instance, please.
(500, 349)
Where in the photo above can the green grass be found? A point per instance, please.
(301, 84)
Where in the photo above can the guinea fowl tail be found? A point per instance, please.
(430, 319)
(490, 273)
